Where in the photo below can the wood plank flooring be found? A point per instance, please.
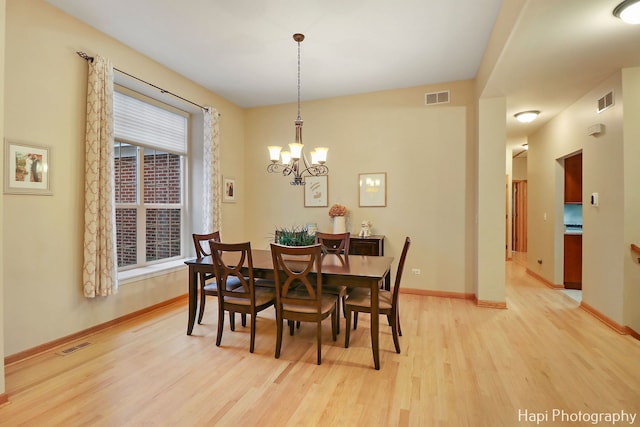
(460, 366)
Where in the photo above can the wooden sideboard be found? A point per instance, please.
(372, 245)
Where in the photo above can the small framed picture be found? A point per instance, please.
(315, 191)
(27, 168)
(229, 187)
(372, 189)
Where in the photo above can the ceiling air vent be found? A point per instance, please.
(605, 102)
(434, 98)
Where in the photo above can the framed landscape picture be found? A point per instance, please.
(315, 192)
(27, 168)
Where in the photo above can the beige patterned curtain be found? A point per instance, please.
(212, 197)
(99, 274)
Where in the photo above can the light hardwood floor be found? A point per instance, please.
(460, 366)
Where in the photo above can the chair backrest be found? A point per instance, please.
(228, 261)
(201, 243)
(334, 243)
(403, 257)
(292, 267)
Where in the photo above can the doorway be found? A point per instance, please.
(519, 215)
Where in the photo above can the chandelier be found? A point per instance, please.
(294, 162)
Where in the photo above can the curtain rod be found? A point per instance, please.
(90, 58)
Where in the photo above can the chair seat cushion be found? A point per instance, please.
(361, 297)
(212, 287)
(339, 290)
(327, 303)
(265, 283)
(263, 296)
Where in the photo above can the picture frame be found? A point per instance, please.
(27, 168)
(230, 190)
(316, 191)
(372, 189)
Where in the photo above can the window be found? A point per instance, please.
(150, 155)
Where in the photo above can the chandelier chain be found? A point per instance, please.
(299, 118)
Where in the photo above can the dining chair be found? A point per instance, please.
(335, 243)
(208, 284)
(228, 261)
(299, 294)
(360, 301)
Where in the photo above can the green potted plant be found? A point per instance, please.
(294, 236)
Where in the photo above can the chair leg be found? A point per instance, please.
(253, 331)
(243, 317)
(203, 300)
(347, 328)
(279, 328)
(220, 324)
(355, 320)
(335, 323)
(394, 331)
(291, 323)
(337, 310)
(319, 339)
(232, 320)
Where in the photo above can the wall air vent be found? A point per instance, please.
(605, 102)
(434, 98)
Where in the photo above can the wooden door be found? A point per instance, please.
(573, 179)
(573, 261)
(519, 214)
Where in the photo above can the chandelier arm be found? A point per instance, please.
(279, 167)
(315, 170)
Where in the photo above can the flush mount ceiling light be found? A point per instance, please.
(628, 11)
(526, 116)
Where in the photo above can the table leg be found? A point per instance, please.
(193, 292)
(375, 323)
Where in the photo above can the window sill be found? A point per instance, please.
(147, 272)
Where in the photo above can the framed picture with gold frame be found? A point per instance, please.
(372, 188)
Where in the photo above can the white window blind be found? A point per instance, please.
(142, 123)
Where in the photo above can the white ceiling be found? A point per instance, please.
(243, 49)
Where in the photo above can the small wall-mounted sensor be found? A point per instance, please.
(594, 199)
(595, 130)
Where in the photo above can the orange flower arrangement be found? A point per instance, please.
(337, 210)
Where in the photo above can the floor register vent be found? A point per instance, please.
(73, 349)
(434, 98)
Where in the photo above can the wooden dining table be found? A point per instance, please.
(349, 270)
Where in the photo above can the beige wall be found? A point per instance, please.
(492, 238)
(603, 251)
(631, 149)
(2, 102)
(519, 168)
(424, 151)
(42, 241)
